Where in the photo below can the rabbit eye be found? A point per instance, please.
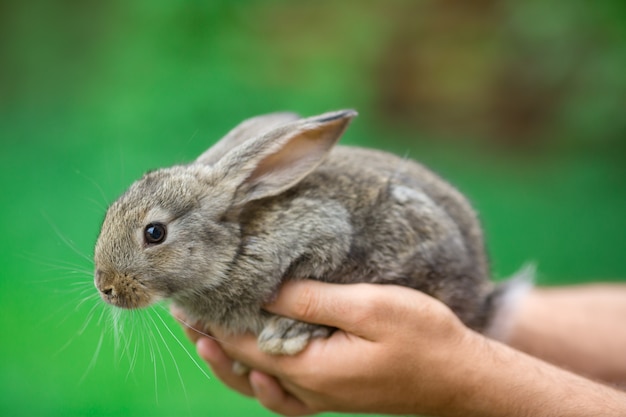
(154, 233)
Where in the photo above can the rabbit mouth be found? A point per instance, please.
(123, 291)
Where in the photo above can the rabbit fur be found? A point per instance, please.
(275, 199)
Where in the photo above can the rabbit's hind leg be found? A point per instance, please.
(284, 336)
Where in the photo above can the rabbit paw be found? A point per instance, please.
(283, 336)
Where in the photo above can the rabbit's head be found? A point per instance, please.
(175, 232)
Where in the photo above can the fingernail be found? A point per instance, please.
(205, 349)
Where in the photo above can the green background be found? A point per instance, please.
(519, 103)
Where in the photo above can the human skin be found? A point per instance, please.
(398, 352)
(580, 328)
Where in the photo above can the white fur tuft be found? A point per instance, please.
(509, 301)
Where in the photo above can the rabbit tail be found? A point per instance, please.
(505, 301)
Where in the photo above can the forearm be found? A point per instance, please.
(503, 381)
(580, 328)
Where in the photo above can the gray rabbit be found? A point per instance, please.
(275, 200)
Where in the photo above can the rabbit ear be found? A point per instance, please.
(274, 162)
(245, 130)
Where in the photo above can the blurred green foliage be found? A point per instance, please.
(519, 103)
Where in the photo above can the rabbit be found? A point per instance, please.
(275, 199)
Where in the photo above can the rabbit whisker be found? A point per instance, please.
(68, 242)
(81, 330)
(203, 333)
(183, 346)
(94, 358)
(105, 199)
(90, 316)
(151, 340)
(131, 351)
(160, 334)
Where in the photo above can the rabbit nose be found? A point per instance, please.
(105, 289)
(108, 291)
(109, 294)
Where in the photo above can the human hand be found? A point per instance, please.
(397, 351)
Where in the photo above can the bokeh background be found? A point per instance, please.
(519, 103)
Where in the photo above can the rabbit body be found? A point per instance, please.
(244, 217)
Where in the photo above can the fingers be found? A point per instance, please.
(222, 366)
(242, 346)
(265, 388)
(272, 396)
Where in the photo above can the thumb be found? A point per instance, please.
(354, 308)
